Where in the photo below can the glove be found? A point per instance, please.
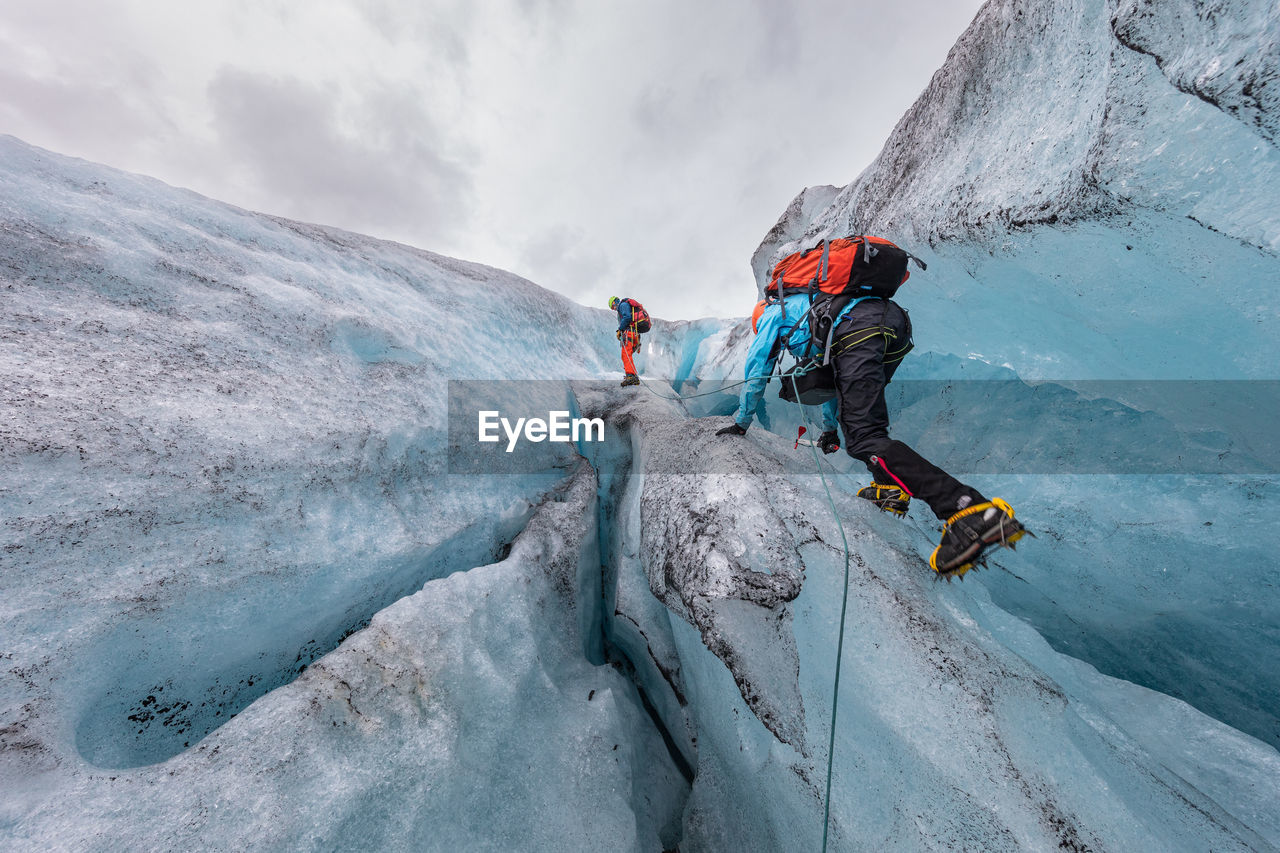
(732, 429)
(618, 334)
(829, 442)
(637, 345)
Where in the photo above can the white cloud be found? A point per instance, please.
(323, 157)
(596, 148)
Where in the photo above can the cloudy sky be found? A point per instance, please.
(597, 147)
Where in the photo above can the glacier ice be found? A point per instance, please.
(463, 716)
(1098, 189)
(250, 601)
(388, 653)
(225, 479)
(946, 700)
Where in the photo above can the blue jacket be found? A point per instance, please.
(624, 315)
(764, 352)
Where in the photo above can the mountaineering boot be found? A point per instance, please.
(631, 379)
(888, 498)
(970, 532)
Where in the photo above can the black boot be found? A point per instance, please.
(631, 379)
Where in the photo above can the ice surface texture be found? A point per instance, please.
(463, 717)
(238, 421)
(960, 727)
(176, 553)
(246, 607)
(1051, 112)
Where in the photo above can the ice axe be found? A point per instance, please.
(800, 439)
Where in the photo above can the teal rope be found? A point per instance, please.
(720, 390)
(769, 377)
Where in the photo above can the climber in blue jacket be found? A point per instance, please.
(778, 325)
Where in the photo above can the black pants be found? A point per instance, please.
(866, 349)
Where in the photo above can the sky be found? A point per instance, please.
(595, 147)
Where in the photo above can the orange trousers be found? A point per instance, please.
(630, 343)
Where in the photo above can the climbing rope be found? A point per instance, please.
(844, 606)
(844, 600)
(719, 390)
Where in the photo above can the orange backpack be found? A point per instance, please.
(847, 266)
(639, 317)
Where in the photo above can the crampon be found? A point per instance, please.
(887, 498)
(970, 534)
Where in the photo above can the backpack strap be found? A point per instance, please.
(870, 252)
(785, 339)
(813, 292)
(835, 306)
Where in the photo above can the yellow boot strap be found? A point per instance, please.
(971, 510)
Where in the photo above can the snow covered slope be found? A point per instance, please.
(1045, 112)
(221, 412)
